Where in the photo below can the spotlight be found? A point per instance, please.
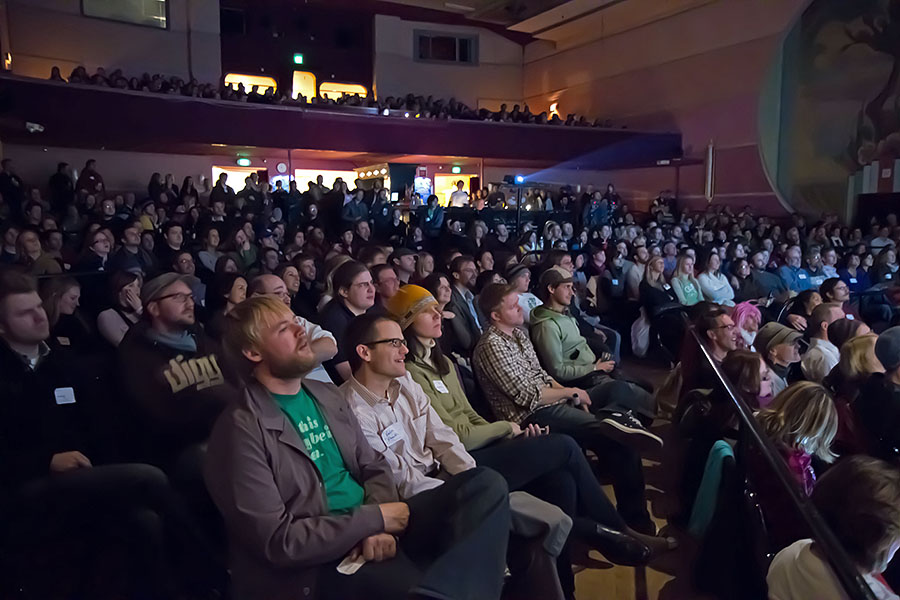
(520, 179)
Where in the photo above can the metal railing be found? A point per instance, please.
(849, 576)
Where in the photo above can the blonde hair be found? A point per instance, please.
(658, 280)
(858, 359)
(246, 321)
(802, 416)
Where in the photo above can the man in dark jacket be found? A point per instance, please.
(53, 440)
(312, 510)
(465, 327)
(172, 374)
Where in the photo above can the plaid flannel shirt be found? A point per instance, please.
(510, 374)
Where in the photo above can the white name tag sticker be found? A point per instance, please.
(666, 286)
(439, 386)
(848, 317)
(615, 282)
(853, 280)
(64, 395)
(801, 275)
(393, 434)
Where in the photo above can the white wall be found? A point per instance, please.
(496, 78)
(43, 33)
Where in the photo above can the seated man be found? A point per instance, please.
(792, 273)
(173, 377)
(465, 325)
(384, 277)
(877, 407)
(521, 392)
(822, 355)
(56, 476)
(302, 491)
(397, 418)
(567, 357)
(354, 294)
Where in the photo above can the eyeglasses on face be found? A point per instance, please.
(179, 297)
(394, 342)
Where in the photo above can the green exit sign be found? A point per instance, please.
(455, 170)
(298, 58)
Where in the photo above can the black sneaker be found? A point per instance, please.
(624, 428)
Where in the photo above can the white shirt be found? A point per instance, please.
(459, 199)
(796, 573)
(405, 428)
(820, 359)
(528, 302)
(316, 332)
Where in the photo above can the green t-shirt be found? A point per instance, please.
(341, 490)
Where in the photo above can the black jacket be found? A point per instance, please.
(877, 410)
(39, 419)
(173, 396)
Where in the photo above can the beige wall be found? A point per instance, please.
(698, 72)
(497, 78)
(43, 33)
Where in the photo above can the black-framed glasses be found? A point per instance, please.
(394, 342)
(179, 297)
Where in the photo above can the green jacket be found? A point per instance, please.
(453, 408)
(562, 350)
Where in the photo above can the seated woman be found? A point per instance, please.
(801, 309)
(31, 255)
(223, 293)
(801, 422)
(747, 319)
(859, 500)
(659, 301)
(857, 362)
(713, 283)
(686, 286)
(853, 275)
(552, 468)
(885, 269)
(125, 307)
(68, 327)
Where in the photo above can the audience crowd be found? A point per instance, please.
(415, 105)
(358, 401)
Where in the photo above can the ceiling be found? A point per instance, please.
(565, 22)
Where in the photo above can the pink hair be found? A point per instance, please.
(744, 311)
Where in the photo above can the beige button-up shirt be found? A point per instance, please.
(408, 432)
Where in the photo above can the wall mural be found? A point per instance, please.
(831, 106)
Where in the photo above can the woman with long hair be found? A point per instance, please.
(331, 265)
(885, 269)
(30, 254)
(125, 307)
(95, 253)
(713, 283)
(210, 252)
(61, 297)
(686, 286)
(658, 300)
(224, 292)
(189, 194)
(424, 268)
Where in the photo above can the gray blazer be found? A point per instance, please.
(270, 493)
(465, 331)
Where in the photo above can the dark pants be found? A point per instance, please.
(621, 463)
(132, 502)
(553, 468)
(607, 393)
(454, 547)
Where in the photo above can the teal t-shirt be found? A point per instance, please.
(341, 490)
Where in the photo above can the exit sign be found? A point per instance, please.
(298, 58)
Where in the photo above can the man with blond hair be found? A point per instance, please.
(312, 511)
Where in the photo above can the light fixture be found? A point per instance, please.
(383, 171)
(243, 161)
(520, 179)
(406, 115)
(281, 167)
(386, 112)
(456, 170)
(298, 58)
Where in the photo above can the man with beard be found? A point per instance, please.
(313, 512)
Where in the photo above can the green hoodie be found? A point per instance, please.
(561, 348)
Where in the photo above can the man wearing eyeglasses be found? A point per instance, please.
(172, 373)
(424, 454)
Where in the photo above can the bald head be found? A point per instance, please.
(269, 285)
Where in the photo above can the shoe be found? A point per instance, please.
(624, 428)
(617, 547)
